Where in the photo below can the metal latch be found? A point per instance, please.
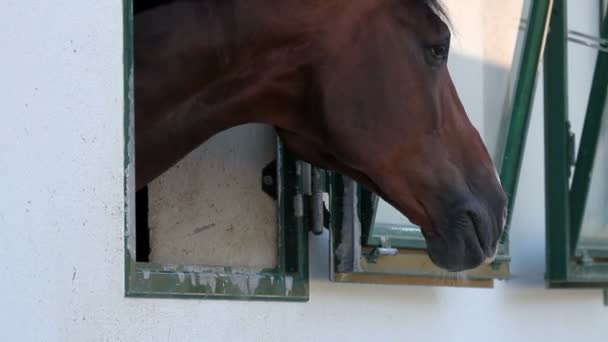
(385, 249)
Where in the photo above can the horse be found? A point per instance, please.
(359, 87)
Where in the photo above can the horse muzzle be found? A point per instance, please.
(466, 237)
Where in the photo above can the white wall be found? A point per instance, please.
(61, 220)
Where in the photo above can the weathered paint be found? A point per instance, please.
(287, 281)
(162, 279)
(370, 278)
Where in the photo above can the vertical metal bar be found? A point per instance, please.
(129, 147)
(336, 208)
(306, 178)
(523, 98)
(556, 145)
(589, 142)
(293, 235)
(316, 199)
(367, 206)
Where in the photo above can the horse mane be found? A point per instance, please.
(437, 7)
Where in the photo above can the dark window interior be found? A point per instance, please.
(141, 198)
(142, 5)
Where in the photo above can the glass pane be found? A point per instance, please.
(495, 65)
(594, 230)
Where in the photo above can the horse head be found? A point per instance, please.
(392, 119)
(357, 86)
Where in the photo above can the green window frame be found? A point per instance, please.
(288, 281)
(568, 264)
(362, 251)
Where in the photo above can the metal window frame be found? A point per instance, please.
(286, 282)
(354, 262)
(411, 265)
(568, 267)
(523, 98)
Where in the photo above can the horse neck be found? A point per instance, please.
(224, 63)
(224, 52)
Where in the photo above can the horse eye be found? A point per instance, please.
(440, 52)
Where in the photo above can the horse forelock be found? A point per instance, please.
(438, 8)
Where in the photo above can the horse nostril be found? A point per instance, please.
(469, 222)
(476, 225)
(474, 217)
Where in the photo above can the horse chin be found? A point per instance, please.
(467, 255)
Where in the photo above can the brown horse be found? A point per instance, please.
(356, 86)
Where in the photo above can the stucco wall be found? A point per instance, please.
(61, 216)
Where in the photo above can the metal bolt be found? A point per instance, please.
(268, 180)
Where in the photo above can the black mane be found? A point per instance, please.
(142, 5)
(436, 6)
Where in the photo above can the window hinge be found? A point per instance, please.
(317, 207)
(309, 199)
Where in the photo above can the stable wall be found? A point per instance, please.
(61, 212)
